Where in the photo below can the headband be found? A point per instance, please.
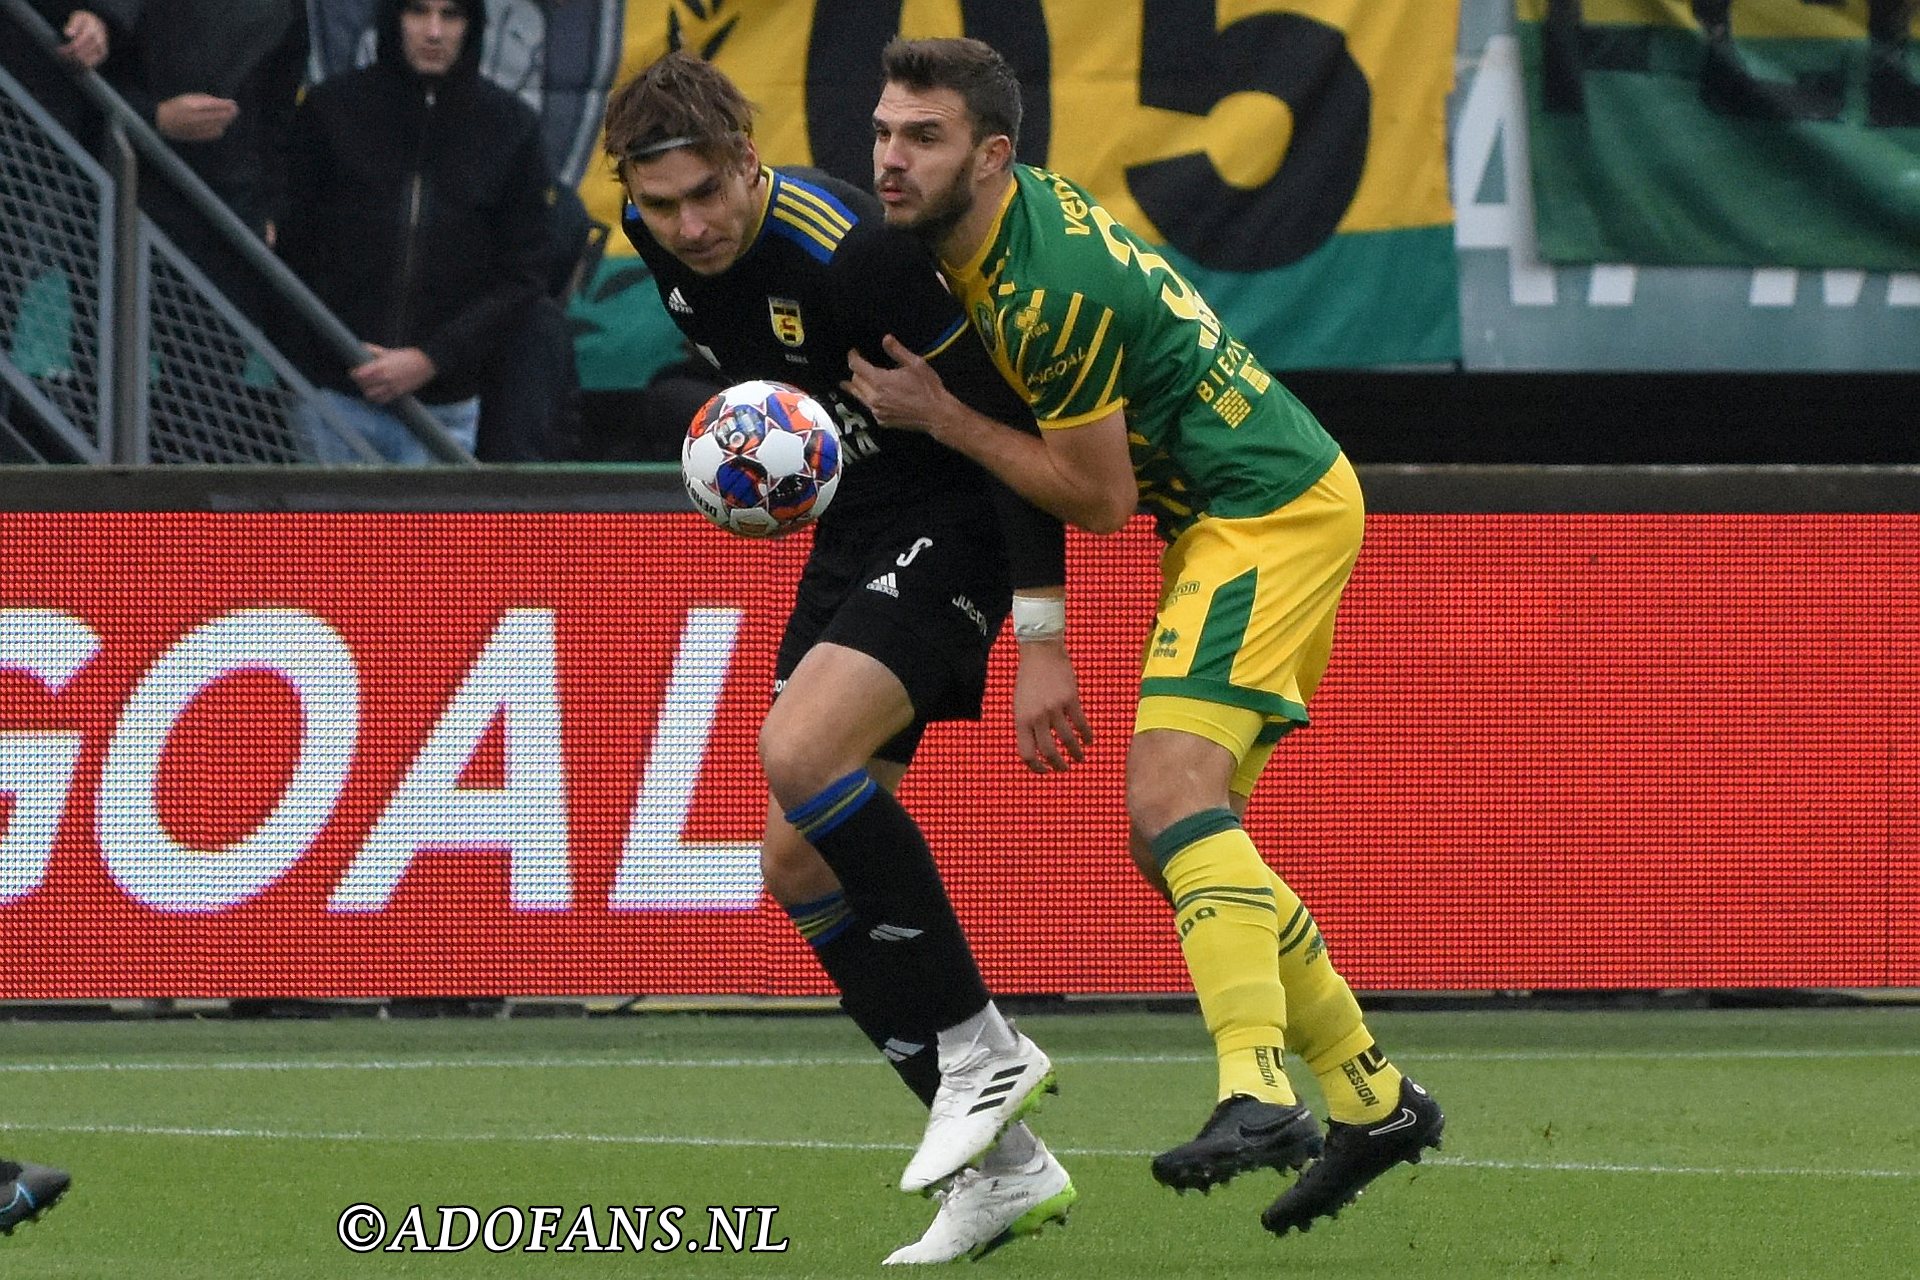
(655, 148)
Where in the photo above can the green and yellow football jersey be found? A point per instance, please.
(1083, 318)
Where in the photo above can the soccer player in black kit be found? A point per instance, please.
(777, 274)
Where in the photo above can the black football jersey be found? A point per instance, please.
(825, 275)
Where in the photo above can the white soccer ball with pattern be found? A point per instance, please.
(761, 459)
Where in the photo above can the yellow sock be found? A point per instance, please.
(1225, 913)
(1360, 1085)
(1325, 1026)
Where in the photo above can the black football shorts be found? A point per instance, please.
(925, 596)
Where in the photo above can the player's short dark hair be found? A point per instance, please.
(971, 68)
(679, 101)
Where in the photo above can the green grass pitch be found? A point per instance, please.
(1748, 1144)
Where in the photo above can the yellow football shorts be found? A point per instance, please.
(1245, 625)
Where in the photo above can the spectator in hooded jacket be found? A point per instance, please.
(417, 208)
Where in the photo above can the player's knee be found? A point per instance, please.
(1172, 776)
(796, 770)
(1154, 803)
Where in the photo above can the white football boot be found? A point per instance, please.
(980, 1211)
(981, 1093)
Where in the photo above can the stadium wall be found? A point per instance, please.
(282, 734)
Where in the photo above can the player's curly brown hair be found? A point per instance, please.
(679, 101)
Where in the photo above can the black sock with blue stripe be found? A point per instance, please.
(887, 872)
(868, 992)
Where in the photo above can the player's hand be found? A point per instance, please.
(906, 396)
(1050, 730)
(86, 45)
(194, 117)
(393, 372)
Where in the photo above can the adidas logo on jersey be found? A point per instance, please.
(886, 585)
(675, 302)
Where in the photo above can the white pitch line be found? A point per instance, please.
(837, 1062)
(444, 1064)
(1714, 1171)
(357, 1135)
(808, 1144)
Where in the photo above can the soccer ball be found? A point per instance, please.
(761, 459)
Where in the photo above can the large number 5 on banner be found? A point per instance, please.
(1188, 66)
(844, 77)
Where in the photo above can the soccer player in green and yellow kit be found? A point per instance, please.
(1146, 400)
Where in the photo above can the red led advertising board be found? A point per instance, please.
(323, 755)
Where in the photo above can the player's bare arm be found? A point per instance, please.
(1084, 474)
(1051, 730)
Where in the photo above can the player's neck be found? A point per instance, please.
(969, 235)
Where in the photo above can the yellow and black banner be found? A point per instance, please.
(1291, 155)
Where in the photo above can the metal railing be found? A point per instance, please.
(116, 341)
